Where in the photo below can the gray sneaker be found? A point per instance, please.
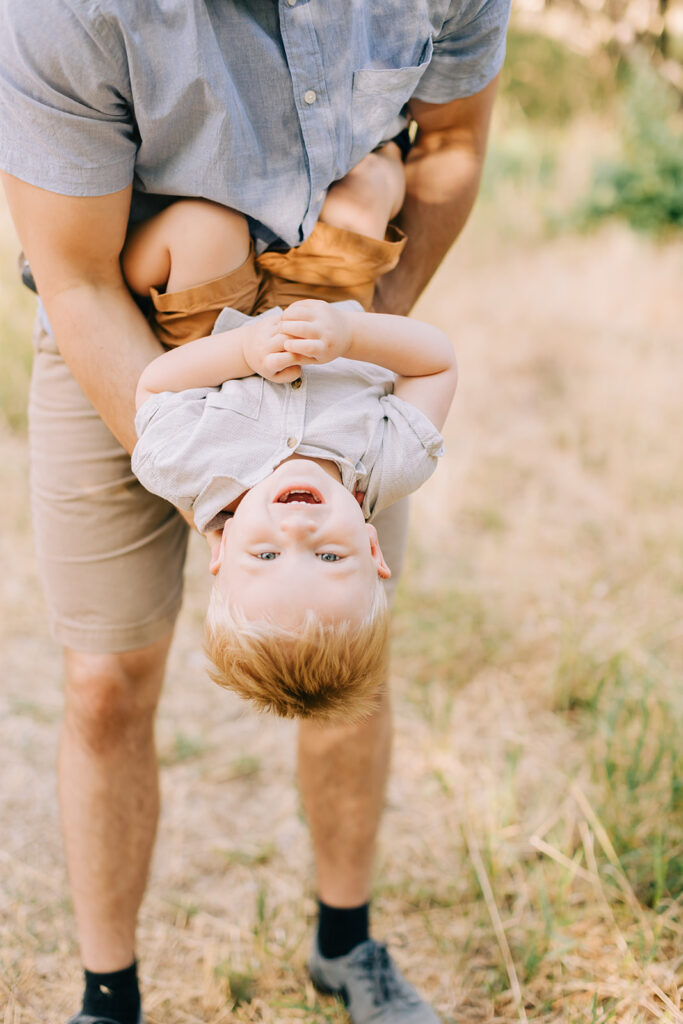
(371, 986)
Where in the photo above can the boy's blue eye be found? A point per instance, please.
(328, 556)
(267, 556)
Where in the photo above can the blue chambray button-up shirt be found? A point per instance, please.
(256, 105)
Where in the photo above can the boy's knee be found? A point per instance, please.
(368, 196)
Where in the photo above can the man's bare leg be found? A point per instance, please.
(108, 791)
(342, 774)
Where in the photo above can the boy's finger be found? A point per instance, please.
(279, 342)
(300, 346)
(302, 309)
(275, 362)
(300, 329)
(287, 376)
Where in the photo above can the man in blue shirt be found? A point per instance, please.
(109, 110)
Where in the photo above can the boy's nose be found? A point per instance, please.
(298, 524)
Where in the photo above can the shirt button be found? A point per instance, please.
(296, 384)
(291, 3)
(291, 442)
(321, 196)
(310, 96)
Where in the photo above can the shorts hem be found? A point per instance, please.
(114, 640)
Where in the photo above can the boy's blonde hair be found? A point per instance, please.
(321, 670)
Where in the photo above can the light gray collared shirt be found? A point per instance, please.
(201, 448)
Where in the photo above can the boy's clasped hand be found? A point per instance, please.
(309, 331)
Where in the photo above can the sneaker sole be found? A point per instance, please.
(325, 990)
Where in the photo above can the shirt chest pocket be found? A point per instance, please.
(243, 396)
(377, 97)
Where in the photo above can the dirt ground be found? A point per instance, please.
(552, 522)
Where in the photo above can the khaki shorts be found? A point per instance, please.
(110, 554)
(332, 264)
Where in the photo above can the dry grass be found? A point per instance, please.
(533, 842)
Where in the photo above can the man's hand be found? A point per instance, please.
(315, 331)
(263, 350)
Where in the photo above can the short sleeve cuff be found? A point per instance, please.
(423, 428)
(146, 413)
(466, 61)
(69, 180)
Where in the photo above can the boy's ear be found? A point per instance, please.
(215, 539)
(383, 569)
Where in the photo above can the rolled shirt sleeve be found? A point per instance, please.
(167, 459)
(65, 105)
(410, 447)
(468, 51)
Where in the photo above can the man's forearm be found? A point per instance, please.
(106, 343)
(443, 172)
(73, 244)
(441, 189)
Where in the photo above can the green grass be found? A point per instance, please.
(630, 713)
(442, 636)
(240, 986)
(184, 748)
(16, 354)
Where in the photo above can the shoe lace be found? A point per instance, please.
(381, 974)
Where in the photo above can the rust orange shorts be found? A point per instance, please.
(332, 264)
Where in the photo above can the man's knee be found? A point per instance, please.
(110, 697)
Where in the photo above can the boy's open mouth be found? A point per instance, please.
(303, 495)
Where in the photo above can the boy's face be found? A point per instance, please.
(298, 542)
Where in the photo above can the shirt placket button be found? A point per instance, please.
(296, 384)
(310, 96)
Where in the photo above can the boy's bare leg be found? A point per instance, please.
(342, 775)
(188, 243)
(108, 792)
(367, 198)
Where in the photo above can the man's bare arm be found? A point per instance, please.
(443, 171)
(73, 245)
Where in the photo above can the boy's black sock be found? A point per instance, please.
(115, 995)
(342, 929)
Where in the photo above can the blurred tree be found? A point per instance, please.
(654, 27)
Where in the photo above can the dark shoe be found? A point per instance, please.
(371, 986)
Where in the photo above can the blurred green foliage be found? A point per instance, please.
(645, 184)
(632, 164)
(549, 83)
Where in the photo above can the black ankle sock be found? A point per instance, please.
(114, 995)
(341, 929)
